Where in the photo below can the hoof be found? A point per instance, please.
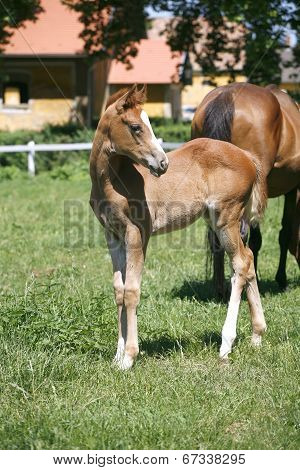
(256, 340)
(126, 363)
(224, 353)
(224, 361)
(281, 281)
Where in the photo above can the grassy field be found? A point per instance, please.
(58, 334)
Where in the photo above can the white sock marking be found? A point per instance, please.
(120, 351)
(229, 328)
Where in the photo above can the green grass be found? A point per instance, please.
(58, 335)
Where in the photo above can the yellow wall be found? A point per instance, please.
(154, 109)
(157, 98)
(290, 86)
(194, 94)
(53, 93)
(37, 115)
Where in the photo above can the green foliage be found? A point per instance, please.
(13, 13)
(10, 173)
(295, 95)
(261, 34)
(208, 28)
(108, 30)
(58, 333)
(171, 131)
(74, 171)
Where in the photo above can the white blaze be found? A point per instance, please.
(155, 142)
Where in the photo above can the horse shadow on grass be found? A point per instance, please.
(203, 291)
(270, 286)
(164, 345)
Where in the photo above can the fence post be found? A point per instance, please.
(31, 154)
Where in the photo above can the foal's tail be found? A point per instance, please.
(258, 200)
(218, 117)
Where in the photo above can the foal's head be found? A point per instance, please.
(130, 133)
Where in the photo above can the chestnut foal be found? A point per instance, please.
(204, 178)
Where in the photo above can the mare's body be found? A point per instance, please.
(266, 122)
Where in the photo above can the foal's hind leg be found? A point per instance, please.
(256, 310)
(243, 268)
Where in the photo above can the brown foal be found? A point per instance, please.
(265, 122)
(204, 178)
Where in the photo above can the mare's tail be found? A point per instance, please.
(217, 124)
(218, 117)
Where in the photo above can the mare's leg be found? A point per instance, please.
(285, 235)
(118, 257)
(255, 242)
(294, 245)
(218, 264)
(243, 274)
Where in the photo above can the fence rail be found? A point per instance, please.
(31, 148)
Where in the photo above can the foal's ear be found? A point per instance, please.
(143, 93)
(127, 100)
(131, 99)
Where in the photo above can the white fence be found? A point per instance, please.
(31, 148)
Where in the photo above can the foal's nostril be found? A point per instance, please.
(163, 165)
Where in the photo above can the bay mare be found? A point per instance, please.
(138, 190)
(265, 122)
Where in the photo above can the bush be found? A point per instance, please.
(74, 171)
(171, 131)
(10, 172)
(295, 94)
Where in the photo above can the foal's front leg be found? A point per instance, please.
(128, 260)
(135, 253)
(118, 257)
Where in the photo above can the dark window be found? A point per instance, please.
(15, 93)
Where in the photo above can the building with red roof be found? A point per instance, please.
(156, 66)
(46, 76)
(48, 79)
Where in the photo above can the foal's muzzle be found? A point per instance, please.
(158, 169)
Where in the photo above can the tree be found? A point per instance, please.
(111, 28)
(263, 28)
(254, 31)
(13, 13)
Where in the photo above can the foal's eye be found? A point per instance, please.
(136, 128)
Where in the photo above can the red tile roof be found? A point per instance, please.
(56, 31)
(153, 64)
